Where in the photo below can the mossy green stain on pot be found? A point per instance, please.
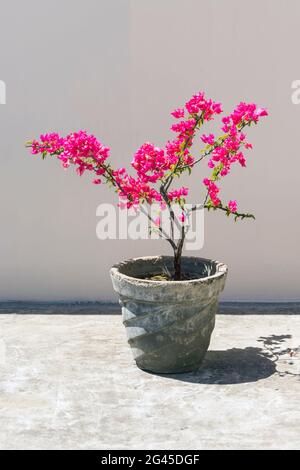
(168, 323)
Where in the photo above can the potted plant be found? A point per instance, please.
(168, 302)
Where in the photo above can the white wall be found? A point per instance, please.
(117, 68)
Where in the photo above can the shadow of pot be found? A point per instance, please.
(232, 366)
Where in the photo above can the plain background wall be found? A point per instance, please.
(117, 68)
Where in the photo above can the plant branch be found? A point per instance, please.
(236, 215)
(163, 234)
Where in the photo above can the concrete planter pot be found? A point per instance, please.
(168, 323)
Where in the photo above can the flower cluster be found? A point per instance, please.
(226, 150)
(243, 114)
(184, 128)
(196, 111)
(178, 113)
(208, 139)
(177, 151)
(213, 191)
(178, 195)
(154, 165)
(50, 143)
(149, 159)
(199, 104)
(78, 148)
(133, 191)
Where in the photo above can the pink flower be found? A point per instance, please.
(241, 159)
(150, 163)
(184, 127)
(245, 113)
(178, 113)
(213, 190)
(214, 199)
(178, 194)
(174, 150)
(182, 217)
(199, 105)
(120, 171)
(208, 139)
(135, 190)
(232, 206)
(157, 221)
(188, 159)
(80, 170)
(224, 171)
(97, 181)
(260, 112)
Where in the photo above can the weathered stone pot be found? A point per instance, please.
(168, 323)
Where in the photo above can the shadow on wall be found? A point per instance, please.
(235, 366)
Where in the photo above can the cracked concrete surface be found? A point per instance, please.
(69, 382)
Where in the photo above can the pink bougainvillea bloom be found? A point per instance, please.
(181, 217)
(241, 159)
(149, 162)
(259, 112)
(232, 205)
(208, 139)
(184, 127)
(213, 190)
(178, 113)
(157, 221)
(224, 171)
(199, 104)
(80, 170)
(177, 194)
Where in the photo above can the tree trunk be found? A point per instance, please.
(178, 257)
(177, 265)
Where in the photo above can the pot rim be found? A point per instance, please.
(221, 270)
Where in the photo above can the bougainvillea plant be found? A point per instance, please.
(156, 168)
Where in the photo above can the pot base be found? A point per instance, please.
(172, 370)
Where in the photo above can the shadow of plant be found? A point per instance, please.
(274, 348)
(234, 366)
(272, 341)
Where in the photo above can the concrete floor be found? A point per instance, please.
(69, 382)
